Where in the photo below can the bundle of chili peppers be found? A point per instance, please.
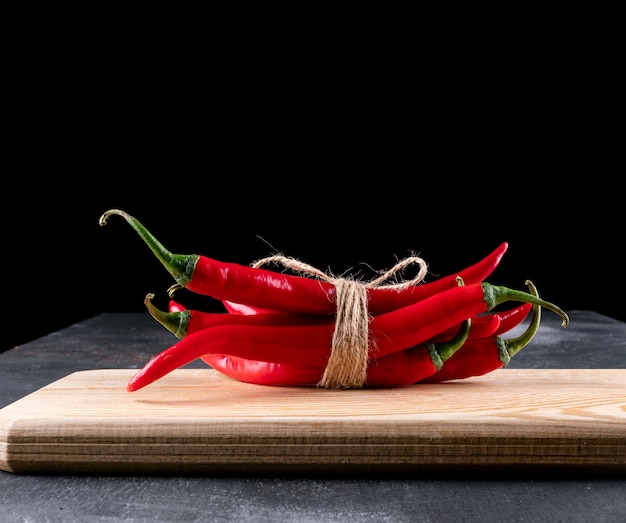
(286, 329)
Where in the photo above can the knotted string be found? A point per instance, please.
(347, 364)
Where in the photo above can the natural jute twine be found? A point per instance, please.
(347, 364)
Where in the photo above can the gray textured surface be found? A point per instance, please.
(129, 340)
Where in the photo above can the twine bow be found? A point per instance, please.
(346, 367)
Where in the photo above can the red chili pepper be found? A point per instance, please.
(491, 324)
(263, 372)
(390, 332)
(511, 318)
(484, 325)
(399, 369)
(266, 289)
(478, 357)
(182, 322)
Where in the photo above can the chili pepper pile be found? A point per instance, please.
(296, 330)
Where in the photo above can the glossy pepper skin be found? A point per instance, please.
(265, 289)
(390, 333)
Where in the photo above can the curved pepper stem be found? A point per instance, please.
(443, 351)
(175, 322)
(180, 266)
(509, 348)
(494, 295)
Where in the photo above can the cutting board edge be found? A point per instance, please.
(588, 451)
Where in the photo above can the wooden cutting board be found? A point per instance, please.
(197, 421)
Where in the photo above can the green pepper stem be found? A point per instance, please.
(441, 352)
(514, 345)
(180, 266)
(494, 295)
(444, 350)
(175, 322)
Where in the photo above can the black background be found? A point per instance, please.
(341, 159)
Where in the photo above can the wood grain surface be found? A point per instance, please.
(197, 421)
